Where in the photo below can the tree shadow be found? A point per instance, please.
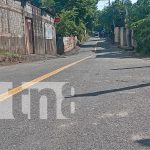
(104, 44)
(144, 142)
(95, 40)
(102, 51)
(114, 54)
(111, 91)
(108, 50)
(88, 46)
(132, 68)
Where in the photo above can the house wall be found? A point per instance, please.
(11, 26)
(122, 37)
(69, 43)
(14, 25)
(117, 35)
(66, 44)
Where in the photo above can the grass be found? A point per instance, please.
(8, 54)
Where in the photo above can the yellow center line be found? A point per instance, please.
(24, 86)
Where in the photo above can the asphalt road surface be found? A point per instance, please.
(106, 100)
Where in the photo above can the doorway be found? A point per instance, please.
(29, 38)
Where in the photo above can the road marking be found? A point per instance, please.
(94, 124)
(126, 92)
(121, 114)
(67, 125)
(24, 86)
(139, 136)
(73, 107)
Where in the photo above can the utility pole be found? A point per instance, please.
(109, 2)
(127, 28)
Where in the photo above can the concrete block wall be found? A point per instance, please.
(124, 37)
(69, 43)
(117, 35)
(12, 28)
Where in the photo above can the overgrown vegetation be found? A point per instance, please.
(77, 16)
(8, 54)
(142, 35)
(140, 22)
(9, 57)
(81, 16)
(135, 16)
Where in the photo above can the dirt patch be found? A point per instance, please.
(6, 60)
(73, 51)
(7, 57)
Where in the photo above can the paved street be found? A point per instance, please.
(107, 110)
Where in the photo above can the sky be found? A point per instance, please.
(104, 3)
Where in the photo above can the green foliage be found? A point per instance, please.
(137, 16)
(142, 35)
(39, 3)
(48, 3)
(76, 16)
(114, 15)
(139, 10)
(67, 26)
(8, 54)
(140, 22)
(81, 31)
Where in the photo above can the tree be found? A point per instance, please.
(48, 3)
(140, 10)
(115, 14)
(67, 26)
(138, 18)
(140, 22)
(76, 16)
(142, 35)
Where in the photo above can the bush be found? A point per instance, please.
(142, 35)
(68, 26)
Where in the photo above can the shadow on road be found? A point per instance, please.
(106, 44)
(144, 142)
(106, 50)
(132, 68)
(103, 51)
(95, 40)
(118, 54)
(112, 90)
(88, 46)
